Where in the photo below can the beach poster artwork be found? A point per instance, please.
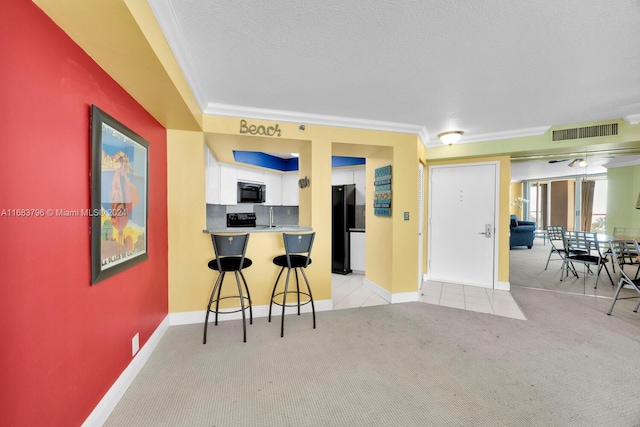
(122, 218)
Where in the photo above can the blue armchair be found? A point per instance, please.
(522, 233)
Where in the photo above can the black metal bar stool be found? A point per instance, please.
(297, 257)
(229, 251)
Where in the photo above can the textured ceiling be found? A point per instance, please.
(488, 68)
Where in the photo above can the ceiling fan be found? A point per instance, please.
(580, 162)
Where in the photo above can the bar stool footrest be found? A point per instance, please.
(225, 311)
(293, 304)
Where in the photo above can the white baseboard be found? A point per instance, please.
(503, 286)
(388, 296)
(377, 289)
(192, 317)
(401, 297)
(108, 403)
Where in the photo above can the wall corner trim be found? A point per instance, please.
(108, 403)
(396, 298)
(503, 286)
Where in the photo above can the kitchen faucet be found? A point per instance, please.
(271, 217)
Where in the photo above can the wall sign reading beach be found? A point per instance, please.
(382, 194)
(259, 129)
(119, 184)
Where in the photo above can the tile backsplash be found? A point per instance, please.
(282, 215)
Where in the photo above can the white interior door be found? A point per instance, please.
(463, 206)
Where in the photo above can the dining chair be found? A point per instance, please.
(555, 235)
(230, 257)
(627, 255)
(622, 233)
(582, 247)
(297, 257)
(625, 250)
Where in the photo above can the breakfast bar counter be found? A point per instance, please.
(260, 229)
(265, 243)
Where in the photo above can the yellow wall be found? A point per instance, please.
(379, 235)
(515, 190)
(189, 248)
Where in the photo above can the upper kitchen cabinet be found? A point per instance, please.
(273, 183)
(290, 196)
(221, 186)
(250, 175)
(228, 184)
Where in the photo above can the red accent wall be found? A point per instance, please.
(64, 342)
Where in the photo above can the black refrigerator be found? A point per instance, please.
(343, 219)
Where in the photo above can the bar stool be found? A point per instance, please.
(229, 251)
(297, 257)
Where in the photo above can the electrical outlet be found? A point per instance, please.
(406, 216)
(135, 344)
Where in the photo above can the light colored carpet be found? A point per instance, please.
(410, 364)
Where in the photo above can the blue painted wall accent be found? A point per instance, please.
(340, 161)
(265, 160)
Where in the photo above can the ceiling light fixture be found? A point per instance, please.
(580, 162)
(450, 137)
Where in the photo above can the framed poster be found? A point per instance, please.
(119, 204)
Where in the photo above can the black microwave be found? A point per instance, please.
(249, 192)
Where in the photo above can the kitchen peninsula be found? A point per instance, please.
(265, 243)
(261, 229)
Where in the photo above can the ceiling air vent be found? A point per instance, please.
(609, 129)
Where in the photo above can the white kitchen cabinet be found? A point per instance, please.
(221, 182)
(358, 250)
(249, 175)
(212, 180)
(228, 184)
(290, 195)
(273, 183)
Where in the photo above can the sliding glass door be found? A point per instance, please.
(575, 204)
(538, 204)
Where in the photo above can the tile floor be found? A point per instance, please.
(350, 291)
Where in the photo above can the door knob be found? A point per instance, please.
(487, 231)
